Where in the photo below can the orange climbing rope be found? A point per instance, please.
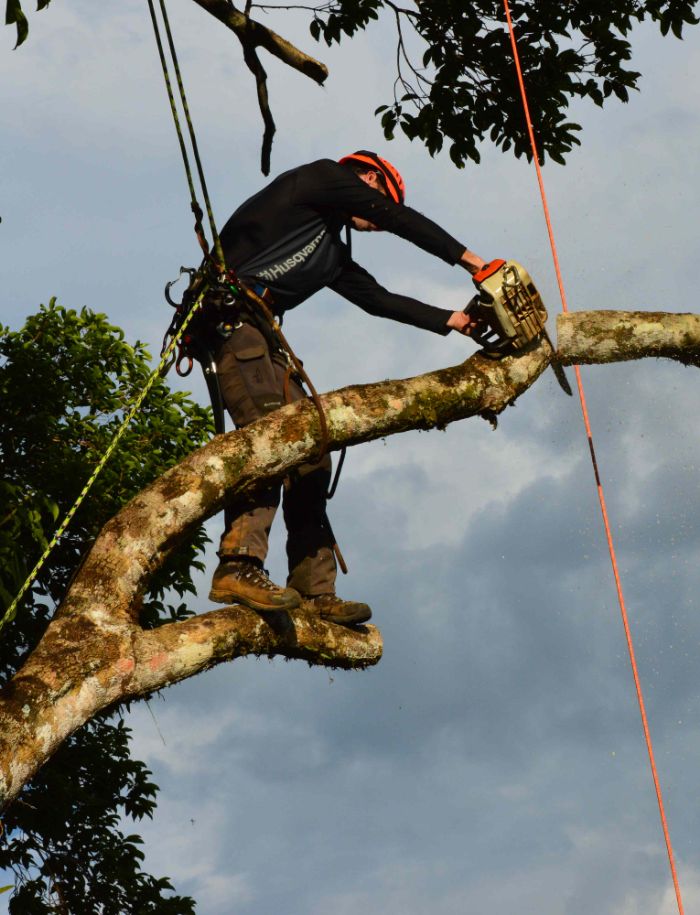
(599, 485)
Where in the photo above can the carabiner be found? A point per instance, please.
(190, 271)
(184, 357)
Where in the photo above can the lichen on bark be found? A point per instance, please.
(94, 653)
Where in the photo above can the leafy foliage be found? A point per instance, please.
(65, 381)
(14, 15)
(463, 90)
(456, 81)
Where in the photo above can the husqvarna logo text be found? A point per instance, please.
(277, 270)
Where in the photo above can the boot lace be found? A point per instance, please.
(249, 572)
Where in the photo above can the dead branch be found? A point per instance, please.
(253, 35)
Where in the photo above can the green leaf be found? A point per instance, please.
(15, 16)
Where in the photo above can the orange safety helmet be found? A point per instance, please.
(392, 179)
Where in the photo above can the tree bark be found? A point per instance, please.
(255, 35)
(95, 654)
(589, 337)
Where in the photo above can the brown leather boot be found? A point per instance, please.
(335, 610)
(243, 581)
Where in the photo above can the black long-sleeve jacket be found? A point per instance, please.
(288, 238)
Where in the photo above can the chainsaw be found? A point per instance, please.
(508, 313)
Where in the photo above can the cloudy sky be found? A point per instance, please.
(494, 760)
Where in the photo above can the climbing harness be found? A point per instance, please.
(202, 338)
(599, 485)
(228, 302)
(509, 313)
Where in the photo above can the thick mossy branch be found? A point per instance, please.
(203, 641)
(588, 337)
(95, 654)
(80, 669)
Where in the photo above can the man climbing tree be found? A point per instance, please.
(286, 243)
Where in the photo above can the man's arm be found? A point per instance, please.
(325, 185)
(328, 185)
(471, 262)
(359, 286)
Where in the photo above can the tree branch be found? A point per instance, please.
(95, 654)
(256, 68)
(253, 35)
(256, 35)
(588, 337)
(79, 669)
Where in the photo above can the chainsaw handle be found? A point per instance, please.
(481, 331)
(487, 271)
(471, 306)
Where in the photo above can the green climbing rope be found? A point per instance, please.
(218, 251)
(11, 611)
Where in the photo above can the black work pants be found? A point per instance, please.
(252, 384)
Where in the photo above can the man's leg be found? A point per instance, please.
(251, 387)
(312, 565)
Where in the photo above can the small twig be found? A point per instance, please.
(256, 68)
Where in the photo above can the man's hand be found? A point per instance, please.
(460, 322)
(472, 262)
